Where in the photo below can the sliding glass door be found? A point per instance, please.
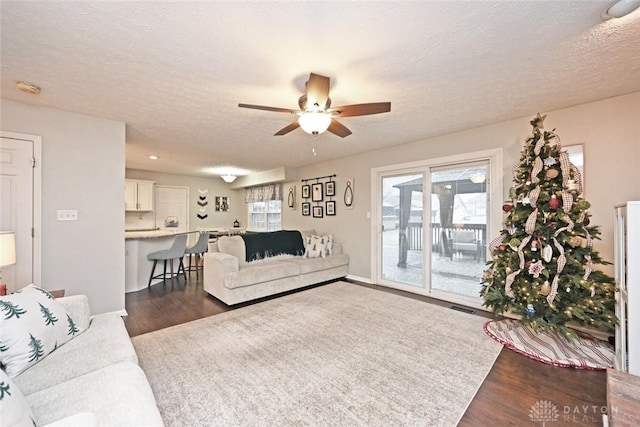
(432, 222)
(401, 245)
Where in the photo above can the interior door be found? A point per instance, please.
(16, 208)
(172, 202)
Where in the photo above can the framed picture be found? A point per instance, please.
(317, 211)
(222, 204)
(330, 207)
(306, 209)
(316, 192)
(306, 191)
(330, 189)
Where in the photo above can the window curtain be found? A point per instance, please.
(263, 193)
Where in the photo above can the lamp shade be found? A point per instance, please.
(228, 178)
(314, 123)
(7, 248)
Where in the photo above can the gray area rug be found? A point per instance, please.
(335, 355)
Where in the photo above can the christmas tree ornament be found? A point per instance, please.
(530, 310)
(507, 207)
(568, 289)
(536, 268)
(554, 202)
(586, 221)
(534, 246)
(583, 205)
(547, 253)
(546, 288)
(551, 173)
(538, 122)
(572, 185)
(550, 161)
(512, 229)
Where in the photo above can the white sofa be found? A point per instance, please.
(94, 379)
(230, 278)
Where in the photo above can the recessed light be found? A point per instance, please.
(621, 8)
(154, 157)
(28, 87)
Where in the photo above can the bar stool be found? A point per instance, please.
(198, 250)
(176, 251)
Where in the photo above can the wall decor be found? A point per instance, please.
(348, 194)
(306, 209)
(330, 208)
(202, 204)
(330, 188)
(291, 198)
(316, 192)
(222, 204)
(317, 211)
(306, 191)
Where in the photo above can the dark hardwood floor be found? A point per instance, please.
(513, 386)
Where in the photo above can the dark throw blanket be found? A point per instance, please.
(263, 245)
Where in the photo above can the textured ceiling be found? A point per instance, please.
(175, 71)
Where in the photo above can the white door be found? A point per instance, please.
(172, 202)
(17, 207)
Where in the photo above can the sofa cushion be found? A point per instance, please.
(233, 245)
(255, 273)
(118, 395)
(14, 409)
(32, 325)
(309, 265)
(84, 419)
(105, 342)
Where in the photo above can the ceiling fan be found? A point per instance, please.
(315, 114)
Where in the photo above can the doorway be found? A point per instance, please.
(20, 205)
(433, 219)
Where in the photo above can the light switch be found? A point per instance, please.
(67, 215)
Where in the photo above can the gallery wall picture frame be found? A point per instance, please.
(291, 198)
(330, 208)
(306, 209)
(222, 204)
(317, 211)
(330, 188)
(348, 194)
(317, 192)
(306, 191)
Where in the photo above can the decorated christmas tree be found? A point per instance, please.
(543, 264)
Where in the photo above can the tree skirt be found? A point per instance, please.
(581, 352)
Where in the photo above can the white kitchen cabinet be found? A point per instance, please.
(627, 275)
(138, 195)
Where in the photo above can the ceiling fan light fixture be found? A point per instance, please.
(314, 123)
(228, 178)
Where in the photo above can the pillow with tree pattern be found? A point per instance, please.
(32, 325)
(14, 409)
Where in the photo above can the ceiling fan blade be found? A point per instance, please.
(262, 107)
(288, 128)
(338, 128)
(361, 109)
(318, 90)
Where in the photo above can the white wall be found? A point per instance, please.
(216, 187)
(609, 130)
(83, 162)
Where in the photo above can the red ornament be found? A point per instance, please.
(586, 222)
(554, 202)
(502, 248)
(507, 207)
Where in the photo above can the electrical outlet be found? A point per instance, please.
(67, 215)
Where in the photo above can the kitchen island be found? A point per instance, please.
(139, 244)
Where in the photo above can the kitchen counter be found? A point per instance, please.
(153, 234)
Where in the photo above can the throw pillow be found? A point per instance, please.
(32, 325)
(14, 409)
(316, 246)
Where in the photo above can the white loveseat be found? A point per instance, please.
(93, 379)
(232, 279)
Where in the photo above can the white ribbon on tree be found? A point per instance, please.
(588, 267)
(495, 243)
(533, 196)
(562, 261)
(508, 282)
(567, 200)
(530, 225)
(537, 168)
(539, 144)
(524, 243)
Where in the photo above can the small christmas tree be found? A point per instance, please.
(543, 265)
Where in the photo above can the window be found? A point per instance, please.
(264, 205)
(265, 216)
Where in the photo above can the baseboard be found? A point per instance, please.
(360, 279)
